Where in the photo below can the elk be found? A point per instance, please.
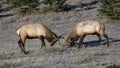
(87, 28)
(32, 31)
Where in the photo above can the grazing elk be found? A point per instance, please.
(87, 28)
(31, 31)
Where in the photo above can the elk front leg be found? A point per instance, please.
(43, 42)
(81, 41)
(23, 46)
(99, 37)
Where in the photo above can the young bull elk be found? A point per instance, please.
(87, 28)
(31, 31)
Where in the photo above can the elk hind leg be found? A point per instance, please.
(20, 45)
(102, 33)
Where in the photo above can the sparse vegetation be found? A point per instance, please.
(6, 5)
(58, 56)
(31, 6)
(26, 6)
(110, 9)
(54, 5)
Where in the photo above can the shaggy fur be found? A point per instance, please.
(87, 28)
(31, 31)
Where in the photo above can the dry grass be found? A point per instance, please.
(7, 6)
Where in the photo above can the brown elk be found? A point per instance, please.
(31, 31)
(87, 28)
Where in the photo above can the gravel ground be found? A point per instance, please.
(58, 57)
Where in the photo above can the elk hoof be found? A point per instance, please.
(26, 52)
(108, 45)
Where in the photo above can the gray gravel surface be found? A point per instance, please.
(92, 56)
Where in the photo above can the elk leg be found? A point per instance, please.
(72, 43)
(25, 52)
(99, 37)
(20, 45)
(106, 36)
(23, 46)
(43, 42)
(81, 41)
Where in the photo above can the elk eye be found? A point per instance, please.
(71, 39)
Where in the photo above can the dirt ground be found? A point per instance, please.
(92, 56)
